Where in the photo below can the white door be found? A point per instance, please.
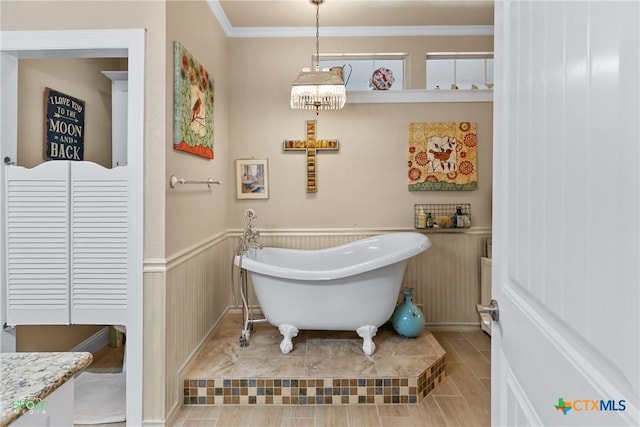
(37, 276)
(566, 217)
(101, 261)
(69, 247)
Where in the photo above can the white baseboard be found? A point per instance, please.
(452, 327)
(199, 347)
(95, 342)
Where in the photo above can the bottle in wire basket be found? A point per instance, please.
(459, 222)
(422, 218)
(429, 220)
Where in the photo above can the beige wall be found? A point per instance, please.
(365, 183)
(195, 212)
(52, 337)
(80, 78)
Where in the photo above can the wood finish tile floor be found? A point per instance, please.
(462, 399)
(107, 360)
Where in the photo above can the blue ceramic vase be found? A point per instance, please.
(407, 319)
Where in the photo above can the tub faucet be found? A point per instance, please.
(251, 237)
(251, 234)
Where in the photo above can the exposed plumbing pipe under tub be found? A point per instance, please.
(248, 240)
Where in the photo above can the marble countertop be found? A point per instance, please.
(34, 376)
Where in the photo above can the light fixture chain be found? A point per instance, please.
(317, 90)
(317, 36)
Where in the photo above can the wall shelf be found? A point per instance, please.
(407, 96)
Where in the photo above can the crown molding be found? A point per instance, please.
(433, 30)
(218, 12)
(378, 31)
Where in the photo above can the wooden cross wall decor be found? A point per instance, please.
(311, 145)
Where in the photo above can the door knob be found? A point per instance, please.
(492, 309)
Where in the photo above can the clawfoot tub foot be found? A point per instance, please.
(288, 332)
(367, 333)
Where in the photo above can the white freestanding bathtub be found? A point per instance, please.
(349, 287)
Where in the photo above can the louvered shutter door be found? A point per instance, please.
(100, 244)
(37, 263)
(68, 244)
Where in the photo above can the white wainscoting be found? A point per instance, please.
(447, 279)
(198, 294)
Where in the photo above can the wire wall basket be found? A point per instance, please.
(442, 215)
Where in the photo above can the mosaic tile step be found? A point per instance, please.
(324, 367)
(313, 391)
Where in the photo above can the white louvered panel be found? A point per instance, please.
(99, 244)
(37, 221)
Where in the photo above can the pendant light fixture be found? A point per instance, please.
(319, 90)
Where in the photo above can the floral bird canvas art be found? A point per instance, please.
(442, 156)
(193, 105)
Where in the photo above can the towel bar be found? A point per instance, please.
(173, 181)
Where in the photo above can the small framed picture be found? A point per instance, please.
(252, 178)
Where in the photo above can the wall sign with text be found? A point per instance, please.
(63, 126)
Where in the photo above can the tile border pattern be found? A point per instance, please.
(318, 391)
